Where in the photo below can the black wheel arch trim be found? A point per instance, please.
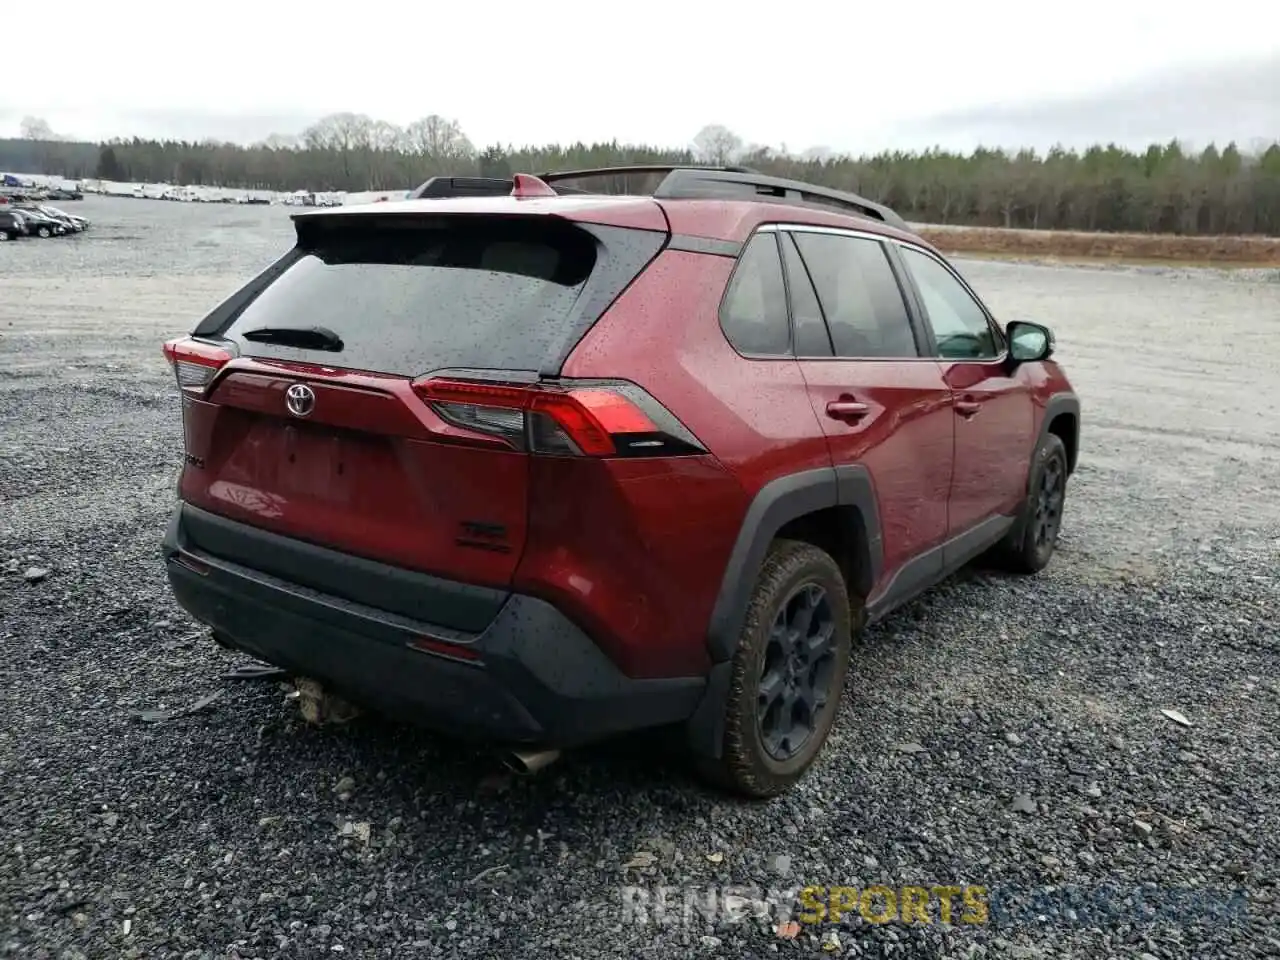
(1057, 404)
(777, 503)
(855, 489)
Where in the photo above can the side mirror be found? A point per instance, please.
(1029, 342)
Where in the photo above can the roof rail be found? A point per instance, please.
(682, 182)
(691, 183)
(667, 168)
(502, 186)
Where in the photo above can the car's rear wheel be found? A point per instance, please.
(787, 674)
(1029, 546)
(3, 236)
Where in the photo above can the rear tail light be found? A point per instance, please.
(195, 363)
(570, 419)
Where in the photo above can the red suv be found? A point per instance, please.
(539, 466)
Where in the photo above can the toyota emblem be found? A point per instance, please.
(300, 399)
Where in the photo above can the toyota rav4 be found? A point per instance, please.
(536, 465)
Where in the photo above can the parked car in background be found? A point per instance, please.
(12, 226)
(21, 220)
(37, 211)
(81, 222)
(41, 224)
(75, 223)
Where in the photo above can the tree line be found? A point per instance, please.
(1162, 189)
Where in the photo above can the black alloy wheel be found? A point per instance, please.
(795, 683)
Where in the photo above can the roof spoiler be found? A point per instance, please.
(462, 187)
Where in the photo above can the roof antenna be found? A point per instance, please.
(526, 186)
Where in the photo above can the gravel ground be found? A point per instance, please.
(1000, 732)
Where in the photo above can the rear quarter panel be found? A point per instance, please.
(654, 540)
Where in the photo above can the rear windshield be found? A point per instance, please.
(476, 292)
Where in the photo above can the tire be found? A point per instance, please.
(756, 759)
(1029, 546)
(43, 233)
(4, 236)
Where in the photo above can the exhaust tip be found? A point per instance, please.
(528, 762)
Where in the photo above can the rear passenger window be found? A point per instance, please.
(859, 294)
(806, 316)
(754, 312)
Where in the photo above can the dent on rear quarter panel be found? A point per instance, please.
(671, 524)
(632, 550)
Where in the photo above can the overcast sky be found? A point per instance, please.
(853, 76)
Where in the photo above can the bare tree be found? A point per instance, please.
(438, 138)
(282, 141)
(384, 135)
(343, 134)
(756, 155)
(384, 140)
(35, 128)
(717, 144)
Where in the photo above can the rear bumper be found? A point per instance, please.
(532, 676)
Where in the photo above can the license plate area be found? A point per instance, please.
(316, 464)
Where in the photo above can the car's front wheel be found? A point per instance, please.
(787, 674)
(1029, 545)
(43, 233)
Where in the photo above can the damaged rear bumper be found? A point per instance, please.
(528, 676)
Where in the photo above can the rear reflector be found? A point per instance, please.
(596, 419)
(195, 363)
(442, 648)
(191, 563)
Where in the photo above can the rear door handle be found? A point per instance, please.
(967, 408)
(849, 410)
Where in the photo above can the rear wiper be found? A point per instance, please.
(306, 338)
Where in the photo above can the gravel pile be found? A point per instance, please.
(1096, 747)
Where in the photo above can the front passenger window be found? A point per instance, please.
(959, 324)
